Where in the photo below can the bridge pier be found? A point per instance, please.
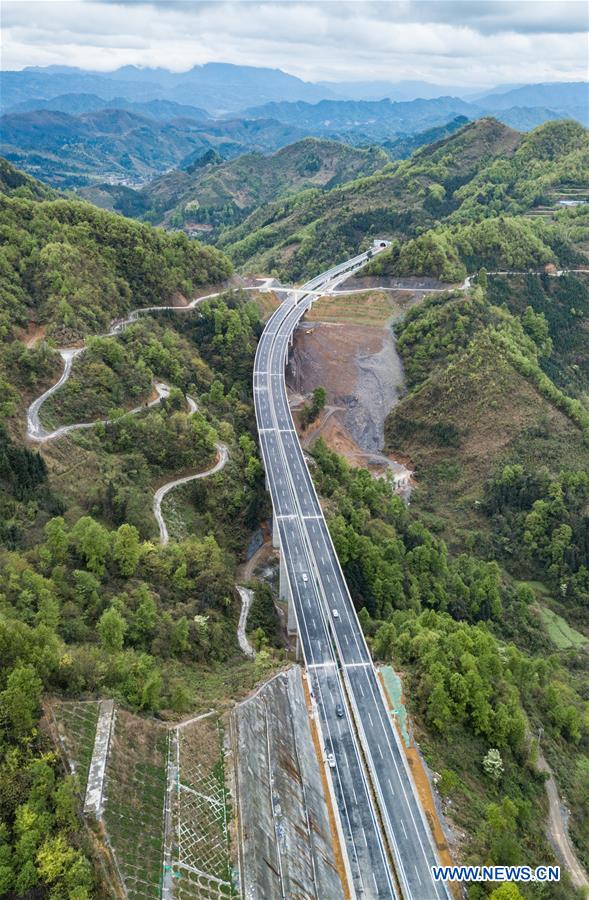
(275, 534)
(284, 594)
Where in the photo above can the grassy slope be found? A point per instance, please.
(565, 304)
(469, 415)
(497, 414)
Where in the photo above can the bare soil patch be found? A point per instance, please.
(33, 334)
(359, 368)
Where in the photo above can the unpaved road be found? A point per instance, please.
(558, 830)
(170, 485)
(247, 597)
(36, 431)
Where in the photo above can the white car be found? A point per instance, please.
(305, 576)
(335, 613)
(331, 760)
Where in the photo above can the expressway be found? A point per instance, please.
(373, 789)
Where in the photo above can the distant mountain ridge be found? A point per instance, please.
(372, 119)
(75, 104)
(522, 108)
(218, 87)
(121, 146)
(223, 88)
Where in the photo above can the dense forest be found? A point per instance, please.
(74, 268)
(455, 590)
(91, 605)
(483, 171)
(495, 550)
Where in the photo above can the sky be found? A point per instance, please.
(441, 41)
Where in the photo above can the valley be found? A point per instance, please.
(324, 428)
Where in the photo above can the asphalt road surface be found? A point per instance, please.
(335, 651)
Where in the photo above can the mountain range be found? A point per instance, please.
(218, 87)
(454, 180)
(121, 146)
(75, 128)
(221, 88)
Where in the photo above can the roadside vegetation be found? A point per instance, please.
(440, 207)
(480, 672)
(91, 606)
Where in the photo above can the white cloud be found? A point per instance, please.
(445, 42)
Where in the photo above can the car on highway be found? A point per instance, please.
(305, 576)
(335, 613)
(331, 760)
(339, 711)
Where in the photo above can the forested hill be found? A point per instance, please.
(484, 170)
(15, 183)
(92, 605)
(213, 192)
(72, 268)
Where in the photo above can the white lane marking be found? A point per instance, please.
(417, 871)
(392, 790)
(370, 717)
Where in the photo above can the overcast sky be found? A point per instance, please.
(443, 41)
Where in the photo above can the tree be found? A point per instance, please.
(92, 542)
(111, 628)
(537, 327)
(507, 891)
(150, 695)
(19, 702)
(493, 764)
(56, 538)
(309, 412)
(145, 618)
(127, 549)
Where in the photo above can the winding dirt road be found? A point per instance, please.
(36, 431)
(558, 831)
(170, 485)
(247, 597)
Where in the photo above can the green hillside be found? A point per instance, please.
(481, 171)
(15, 183)
(92, 605)
(72, 268)
(214, 193)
